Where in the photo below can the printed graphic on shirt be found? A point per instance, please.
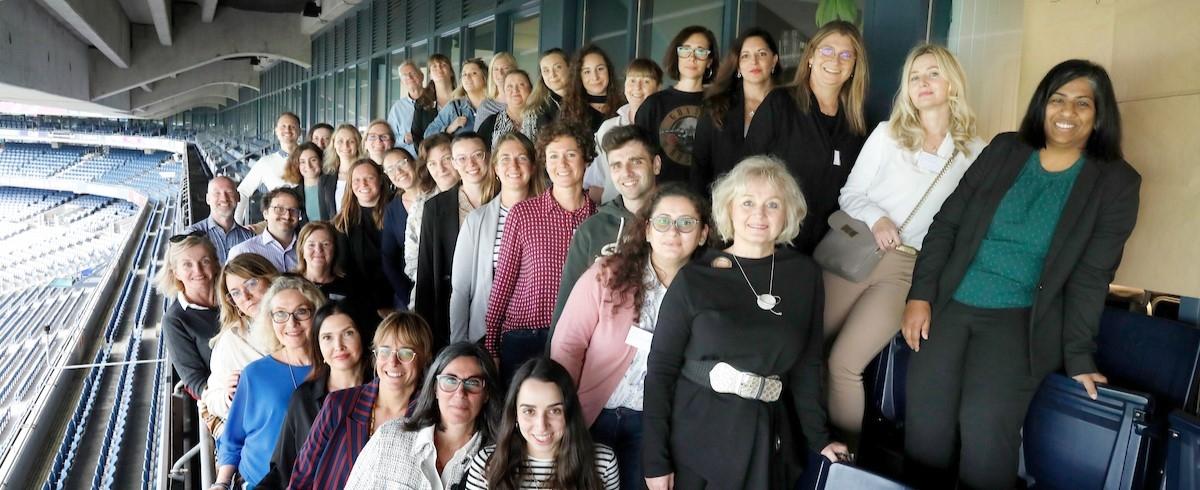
(677, 133)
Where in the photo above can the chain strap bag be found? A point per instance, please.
(849, 249)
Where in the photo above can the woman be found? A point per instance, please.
(360, 223)
(502, 63)
(456, 415)
(435, 97)
(413, 184)
(671, 115)
(552, 86)
(591, 97)
(317, 188)
(521, 114)
(442, 218)
(459, 115)
(320, 261)
(378, 139)
(595, 338)
(733, 106)
(905, 170)
(243, 282)
(722, 321)
(439, 162)
(642, 78)
(266, 385)
(347, 146)
(478, 247)
(339, 363)
(1012, 278)
(350, 417)
(543, 440)
(820, 131)
(533, 250)
(191, 320)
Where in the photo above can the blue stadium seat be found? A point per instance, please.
(1183, 453)
(1150, 354)
(1189, 310)
(820, 474)
(1073, 442)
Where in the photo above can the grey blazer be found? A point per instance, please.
(471, 274)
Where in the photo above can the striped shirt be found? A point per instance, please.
(540, 470)
(222, 240)
(499, 234)
(338, 434)
(537, 234)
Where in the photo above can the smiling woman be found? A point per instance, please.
(190, 322)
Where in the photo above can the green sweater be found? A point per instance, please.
(1006, 269)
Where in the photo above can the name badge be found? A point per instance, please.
(638, 338)
(837, 158)
(929, 162)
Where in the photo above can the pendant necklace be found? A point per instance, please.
(288, 362)
(768, 301)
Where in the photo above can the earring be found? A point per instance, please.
(738, 75)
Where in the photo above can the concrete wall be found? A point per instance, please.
(37, 52)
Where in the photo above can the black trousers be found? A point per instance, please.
(968, 390)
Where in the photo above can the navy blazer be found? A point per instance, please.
(1084, 252)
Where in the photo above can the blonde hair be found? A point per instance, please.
(764, 169)
(246, 266)
(461, 91)
(905, 121)
(264, 329)
(311, 227)
(168, 286)
(853, 95)
(332, 161)
(495, 86)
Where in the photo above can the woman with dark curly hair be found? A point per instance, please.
(533, 250)
(591, 95)
(603, 336)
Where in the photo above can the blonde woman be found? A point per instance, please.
(929, 141)
(188, 276)
(501, 64)
(360, 227)
(347, 146)
(459, 115)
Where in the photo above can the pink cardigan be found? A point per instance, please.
(589, 339)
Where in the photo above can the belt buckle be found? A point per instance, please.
(749, 385)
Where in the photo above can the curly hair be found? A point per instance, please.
(560, 128)
(575, 104)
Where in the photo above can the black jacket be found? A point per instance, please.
(327, 188)
(1085, 250)
(718, 150)
(435, 256)
(422, 118)
(360, 255)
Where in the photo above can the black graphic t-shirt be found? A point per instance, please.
(671, 116)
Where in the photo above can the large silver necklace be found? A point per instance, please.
(767, 301)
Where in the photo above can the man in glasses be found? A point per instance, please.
(266, 174)
(277, 243)
(222, 230)
(633, 165)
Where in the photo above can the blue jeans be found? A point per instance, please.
(518, 346)
(621, 430)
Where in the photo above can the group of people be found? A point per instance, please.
(561, 284)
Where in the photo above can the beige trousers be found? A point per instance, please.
(860, 319)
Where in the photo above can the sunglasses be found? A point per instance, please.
(449, 383)
(184, 236)
(403, 354)
(684, 224)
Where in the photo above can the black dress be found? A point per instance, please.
(359, 252)
(356, 302)
(710, 314)
(718, 150)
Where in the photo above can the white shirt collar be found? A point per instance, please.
(267, 239)
(186, 305)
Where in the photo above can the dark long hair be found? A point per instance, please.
(575, 105)
(427, 412)
(428, 98)
(1105, 141)
(575, 462)
(320, 368)
(671, 60)
(627, 267)
(348, 218)
(727, 86)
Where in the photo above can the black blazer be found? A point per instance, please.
(327, 188)
(1084, 252)
(435, 256)
(717, 150)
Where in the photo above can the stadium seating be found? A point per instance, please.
(1183, 453)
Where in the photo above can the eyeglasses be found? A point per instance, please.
(685, 52)
(301, 314)
(449, 383)
(829, 52)
(184, 236)
(395, 167)
(378, 137)
(476, 156)
(403, 354)
(238, 294)
(684, 224)
(282, 211)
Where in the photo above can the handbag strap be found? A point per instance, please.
(929, 190)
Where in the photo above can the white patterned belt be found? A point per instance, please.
(724, 378)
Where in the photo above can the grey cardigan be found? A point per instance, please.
(471, 274)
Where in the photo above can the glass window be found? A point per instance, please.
(483, 41)
(450, 45)
(330, 103)
(606, 25)
(364, 94)
(662, 19)
(380, 85)
(419, 54)
(793, 24)
(525, 43)
(339, 94)
(393, 76)
(351, 95)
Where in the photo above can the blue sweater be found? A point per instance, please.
(256, 415)
(391, 250)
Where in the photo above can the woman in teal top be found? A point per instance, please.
(1011, 280)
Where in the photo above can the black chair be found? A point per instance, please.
(1154, 355)
(1183, 453)
(882, 443)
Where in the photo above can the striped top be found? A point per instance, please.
(499, 234)
(338, 434)
(539, 470)
(533, 249)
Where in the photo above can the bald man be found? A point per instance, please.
(222, 230)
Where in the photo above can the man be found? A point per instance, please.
(400, 116)
(633, 164)
(642, 78)
(267, 173)
(277, 243)
(320, 134)
(222, 230)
